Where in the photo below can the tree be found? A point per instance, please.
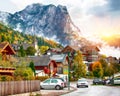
(32, 67)
(105, 66)
(24, 73)
(113, 68)
(97, 69)
(79, 66)
(43, 49)
(30, 50)
(110, 70)
(21, 52)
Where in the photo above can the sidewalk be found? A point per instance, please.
(48, 92)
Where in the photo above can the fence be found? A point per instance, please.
(16, 87)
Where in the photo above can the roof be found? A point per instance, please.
(25, 46)
(70, 49)
(90, 48)
(58, 57)
(40, 60)
(6, 47)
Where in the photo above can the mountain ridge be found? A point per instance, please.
(49, 21)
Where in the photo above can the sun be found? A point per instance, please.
(106, 36)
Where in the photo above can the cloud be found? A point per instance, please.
(114, 5)
(110, 51)
(93, 17)
(108, 8)
(22, 4)
(8, 6)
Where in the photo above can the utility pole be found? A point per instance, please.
(68, 70)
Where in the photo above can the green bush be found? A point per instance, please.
(18, 78)
(42, 78)
(24, 73)
(6, 78)
(73, 79)
(9, 78)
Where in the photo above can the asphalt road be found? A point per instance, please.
(95, 90)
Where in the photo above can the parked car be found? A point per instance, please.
(65, 83)
(98, 81)
(64, 77)
(82, 83)
(107, 81)
(116, 80)
(52, 83)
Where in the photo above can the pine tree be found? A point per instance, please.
(21, 52)
(32, 67)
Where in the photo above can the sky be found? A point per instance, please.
(95, 18)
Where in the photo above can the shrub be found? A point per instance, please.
(25, 73)
(73, 79)
(18, 78)
(9, 78)
(3, 78)
(42, 78)
(6, 78)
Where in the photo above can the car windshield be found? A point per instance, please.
(61, 79)
(82, 80)
(46, 81)
(97, 79)
(54, 81)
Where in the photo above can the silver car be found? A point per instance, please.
(52, 83)
(82, 83)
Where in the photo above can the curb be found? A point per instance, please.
(54, 93)
(59, 93)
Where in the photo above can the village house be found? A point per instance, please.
(71, 49)
(111, 59)
(6, 52)
(90, 54)
(52, 51)
(62, 63)
(40, 62)
(56, 64)
(25, 45)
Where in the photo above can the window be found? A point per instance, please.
(60, 70)
(47, 81)
(54, 81)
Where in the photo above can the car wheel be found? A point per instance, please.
(57, 87)
(94, 83)
(41, 87)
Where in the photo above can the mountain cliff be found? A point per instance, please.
(49, 21)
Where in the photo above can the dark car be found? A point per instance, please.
(107, 81)
(98, 81)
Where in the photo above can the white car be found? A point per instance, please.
(116, 80)
(82, 83)
(52, 83)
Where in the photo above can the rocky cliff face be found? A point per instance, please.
(44, 20)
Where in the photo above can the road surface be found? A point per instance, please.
(95, 90)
